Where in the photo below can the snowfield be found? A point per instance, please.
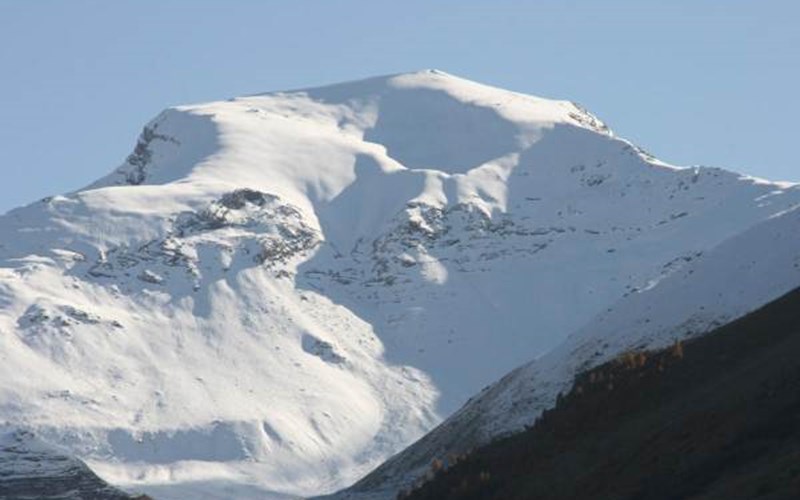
(276, 293)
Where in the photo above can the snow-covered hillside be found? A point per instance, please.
(275, 293)
(30, 468)
(733, 279)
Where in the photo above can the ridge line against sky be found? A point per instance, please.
(702, 82)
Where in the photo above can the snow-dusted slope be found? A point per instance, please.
(30, 468)
(740, 275)
(275, 293)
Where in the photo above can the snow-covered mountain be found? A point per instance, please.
(275, 293)
(738, 276)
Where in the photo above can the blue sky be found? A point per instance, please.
(694, 82)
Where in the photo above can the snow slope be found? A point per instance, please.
(738, 276)
(30, 468)
(275, 293)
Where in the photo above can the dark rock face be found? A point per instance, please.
(30, 469)
(142, 155)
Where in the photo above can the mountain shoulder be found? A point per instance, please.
(715, 417)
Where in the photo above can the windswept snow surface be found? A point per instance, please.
(277, 292)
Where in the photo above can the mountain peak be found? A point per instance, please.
(289, 287)
(423, 78)
(428, 120)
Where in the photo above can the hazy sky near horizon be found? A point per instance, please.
(694, 81)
